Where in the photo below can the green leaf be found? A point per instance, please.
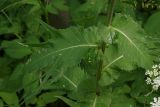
(106, 99)
(125, 7)
(140, 89)
(32, 2)
(66, 79)
(15, 49)
(72, 78)
(131, 43)
(55, 6)
(152, 28)
(1, 103)
(152, 25)
(4, 65)
(108, 77)
(6, 28)
(31, 86)
(10, 98)
(86, 86)
(48, 97)
(12, 83)
(88, 12)
(69, 48)
(67, 101)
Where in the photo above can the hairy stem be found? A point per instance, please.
(98, 76)
(99, 65)
(102, 45)
(110, 11)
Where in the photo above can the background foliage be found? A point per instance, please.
(62, 53)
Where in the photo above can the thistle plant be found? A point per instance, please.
(97, 61)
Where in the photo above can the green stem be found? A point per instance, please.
(102, 46)
(98, 76)
(110, 11)
(101, 50)
(43, 6)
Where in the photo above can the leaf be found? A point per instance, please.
(130, 43)
(152, 28)
(1, 103)
(72, 78)
(88, 12)
(68, 49)
(32, 2)
(6, 28)
(48, 97)
(15, 49)
(30, 84)
(125, 7)
(67, 101)
(86, 87)
(66, 79)
(4, 65)
(106, 99)
(10, 98)
(108, 77)
(16, 3)
(55, 6)
(152, 25)
(140, 89)
(12, 83)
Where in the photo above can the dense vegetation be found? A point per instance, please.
(79, 53)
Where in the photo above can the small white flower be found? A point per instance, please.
(148, 80)
(156, 102)
(155, 72)
(156, 83)
(147, 72)
(155, 87)
(157, 80)
(154, 66)
(151, 74)
(159, 72)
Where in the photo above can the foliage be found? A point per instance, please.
(88, 63)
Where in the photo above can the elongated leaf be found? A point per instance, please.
(48, 97)
(12, 83)
(131, 43)
(68, 49)
(15, 49)
(72, 78)
(65, 79)
(152, 25)
(108, 98)
(10, 98)
(1, 103)
(152, 28)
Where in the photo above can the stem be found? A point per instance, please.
(102, 45)
(99, 65)
(98, 76)
(110, 11)
(46, 16)
(43, 7)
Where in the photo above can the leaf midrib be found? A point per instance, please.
(127, 37)
(63, 49)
